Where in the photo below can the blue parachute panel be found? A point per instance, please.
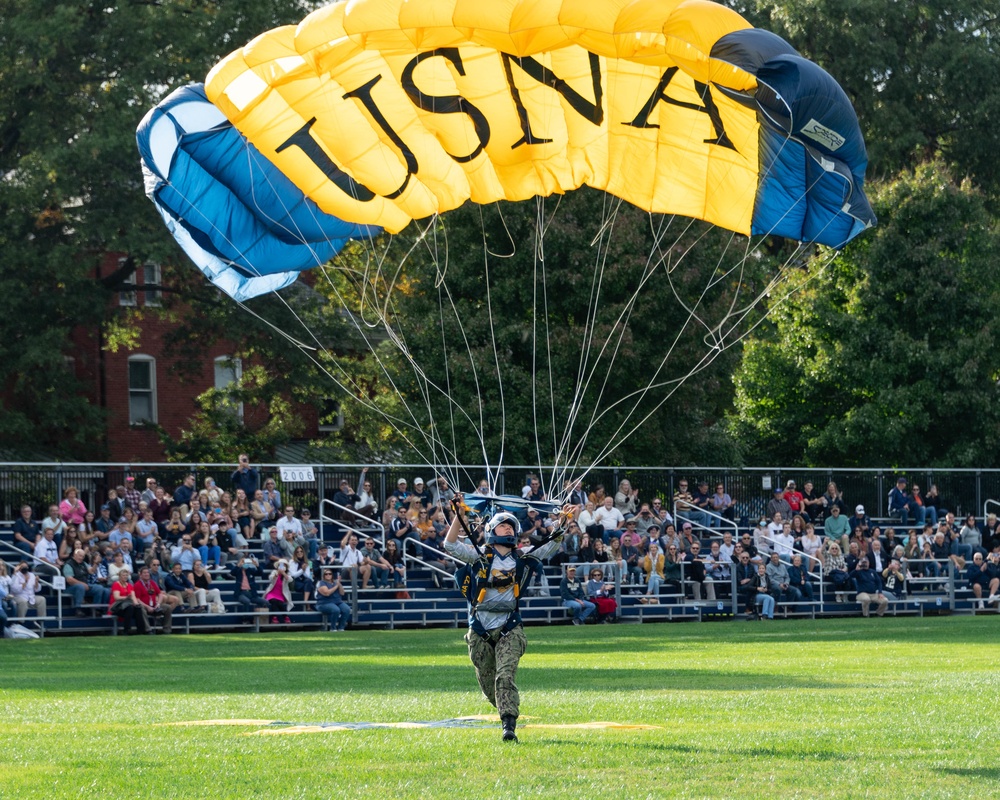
(241, 221)
(812, 153)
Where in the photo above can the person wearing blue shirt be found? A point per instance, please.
(869, 589)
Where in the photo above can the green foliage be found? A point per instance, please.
(922, 76)
(782, 709)
(878, 360)
(76, 76)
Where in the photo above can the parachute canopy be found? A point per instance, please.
(376, 112)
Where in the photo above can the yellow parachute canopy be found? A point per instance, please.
(383, 111)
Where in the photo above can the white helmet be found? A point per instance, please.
(497, 520)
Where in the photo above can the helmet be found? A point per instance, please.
(500, 519)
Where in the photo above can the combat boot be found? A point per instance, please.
(509, 724)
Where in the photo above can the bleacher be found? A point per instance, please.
(429, 605)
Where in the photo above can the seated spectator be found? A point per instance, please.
(778, 505)
(835, 568)
(330, 600)
(902, 504)
(834, 498)
(379, 566)
(894, 579)
(244, 518)
(162, 510)
(615, 556)
(310, 533)
(780, 583)
(402, 529)
(213, 494)
(54, 522)
(273, 550)
(206, 597)
(794, 499)
(179, 585)
(288, 542)
(394, 557)
(158, 552)
(125, 605)
(798, 578)
(836, 528)
(324, 559)
(860, 524)
(72, 509)
(47, 551)
(877, 556)
(812, 546)
(747, 543)
(652, 566)
(245, 593)
(673, 568)
(366, 504)
(930, 512)
(300, 571)
(70, 543)
(746, 581)
(146, 530)
(969, 539)
(279, 592)
(784, 543)
(183, 495)
(154, 600)
(813, 505)
(574, 597)
(722, 505)
(609, 518)
(626, 499)
(261, 512)
(77, 574)
(569, 547)
(870, 588)
(98, 569)
(585, 555)
(631, 557)
(718, 569)
(273, 498)
(24, 592)
(185, 554)
(27, 531)
(984, 575)
(601, 595)
(352, 561)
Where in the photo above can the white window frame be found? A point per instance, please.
(235, 366)
(127, 297)
(151, 391)
(151, 281)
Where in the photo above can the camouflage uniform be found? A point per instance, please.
(495, 661)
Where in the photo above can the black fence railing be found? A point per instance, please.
(963, 491)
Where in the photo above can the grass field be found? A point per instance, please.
(832, 708)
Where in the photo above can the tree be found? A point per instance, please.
(498, 358)
(890, 357)
(75, 78)
(922, 76)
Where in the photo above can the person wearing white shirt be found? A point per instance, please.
(23, 588)
(350, 557)
(47, 550)
(784, 543)
(289, 523)
(609, 517)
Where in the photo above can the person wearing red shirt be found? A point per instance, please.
(154, 599)
(793, 497)
(126, 605)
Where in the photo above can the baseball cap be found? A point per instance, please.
(418, 481)
(859, 510)
(401, 481)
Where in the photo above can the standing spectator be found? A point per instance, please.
(154, 600)
(245, 477)
(330, 601)
(694, 568)
(24, 588)
(130, 496)
(279, 592)
(573, 597)
(27, 531)
(870, 589)
(245, 591)
(72, 509)
(764, 597)
(652, 566)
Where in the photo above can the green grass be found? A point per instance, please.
(832, 708)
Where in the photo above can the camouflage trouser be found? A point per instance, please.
(496, 667)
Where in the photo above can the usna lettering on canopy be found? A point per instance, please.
(371, 113)
(383, 111)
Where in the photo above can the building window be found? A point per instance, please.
(141, 390)
(331, 415)
(126, 295)
(227, 372)
(151, 284)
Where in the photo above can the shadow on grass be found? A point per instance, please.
(793, 751)
(979, 773)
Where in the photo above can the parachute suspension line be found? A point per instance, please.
(493, 343)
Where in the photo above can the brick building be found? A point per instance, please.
(141, 385)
